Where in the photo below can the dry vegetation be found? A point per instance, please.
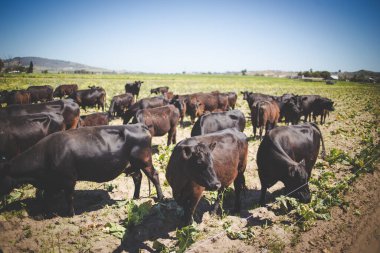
(107, 219)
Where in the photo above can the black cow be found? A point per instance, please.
(21, 132)
(288, 154)
(67, 108)
(216, 121)
(65, 90)
(253, 98)
(133, 88)
(96, 154)
(95, 96)
(158, 90)
(42, 93)
(120, 103)
(144, 103)
(208, 162)
(160, 121)
(321, 107)
(307, 103)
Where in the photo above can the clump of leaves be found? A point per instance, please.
(110, 187)
(337, 156)
(15, 195)
(186, 236)
(135, 215)
(244, 234)
(161, 159)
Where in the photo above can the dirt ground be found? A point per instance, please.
(23, 227)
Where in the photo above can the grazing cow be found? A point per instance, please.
(264, 114)
(40, 93)
(208, 162)
(95, 96)
(160, 120)
(159, 90)
(67, 108)
(16, 97)
(96, 154)
(120, 103)
(94, 119)
(65, 90)
(144, 103)
(194, 108)
(21, 132)
(288, 154)
(321, 107)
(133, 88)
(216, 121)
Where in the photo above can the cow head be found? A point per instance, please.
(298, 180)
(200, 166)
(245, 94)
(327, 104)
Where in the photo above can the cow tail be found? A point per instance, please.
(243, 185)
(257, 113)
(149, 186)
(323, 153)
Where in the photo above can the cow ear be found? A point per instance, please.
(212, 146)
(186, 152)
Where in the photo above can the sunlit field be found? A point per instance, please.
(108, 219)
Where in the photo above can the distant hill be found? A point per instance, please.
(40, 64)
(361, 76)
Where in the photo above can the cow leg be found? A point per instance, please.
(170, 136)
(238, 185)
(174, 139)
(150, 172)
(262, 196)
(191, 204)
(69, 196)
(137, 176)
(217, 201)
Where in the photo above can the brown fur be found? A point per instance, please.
(264, 114)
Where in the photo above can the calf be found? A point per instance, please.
(67, 108)
(217, 121)
(160, 121)
(21, 132)
(94, 119)
(120, 103)
(40, 93)
(133, 88)
(208, 162)
(264, 114)
(95, 96)
(96, 154)
(65, 90)
(288, 154)
(160, 90)
(144, 103)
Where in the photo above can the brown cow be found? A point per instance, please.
(208, 162)
(94, 119)
(42, 93)
(160, 120)
(264, 114)
(162, 90)
(17, 97)
(168, 95)
(65, 90)
(182, 99)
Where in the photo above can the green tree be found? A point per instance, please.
(1, 64)
(244, 72)
(30, 69)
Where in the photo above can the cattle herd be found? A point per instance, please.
(48, 144)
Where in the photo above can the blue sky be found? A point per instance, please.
(209, 35)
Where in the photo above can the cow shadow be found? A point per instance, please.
(84, 201)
